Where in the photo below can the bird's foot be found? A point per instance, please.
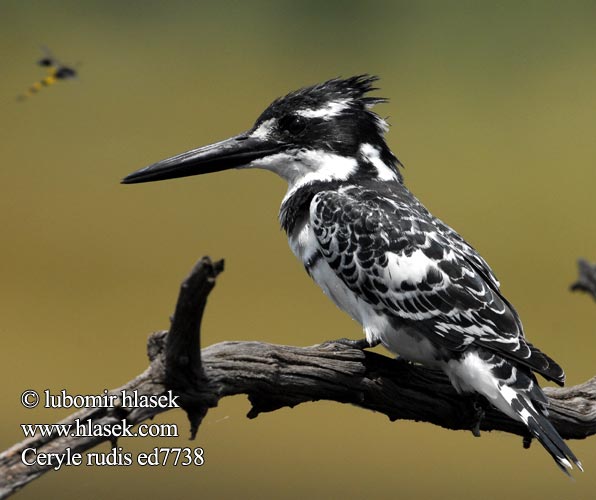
(354, 344)
(404, 361)
(479, 413)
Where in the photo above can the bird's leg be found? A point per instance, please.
(479, 412)
(354, 344)
(404, 363)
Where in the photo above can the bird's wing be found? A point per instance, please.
(394, 254)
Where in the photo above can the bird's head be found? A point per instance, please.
(318, 133)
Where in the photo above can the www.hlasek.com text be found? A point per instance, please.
(89, 428)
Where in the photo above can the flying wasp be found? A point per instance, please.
(56, 71)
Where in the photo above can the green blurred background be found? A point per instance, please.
(493, 112)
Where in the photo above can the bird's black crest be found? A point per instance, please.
(353, 90)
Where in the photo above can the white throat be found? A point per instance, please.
(303, 167)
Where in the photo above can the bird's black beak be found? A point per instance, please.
(235, 152)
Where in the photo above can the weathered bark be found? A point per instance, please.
(276, 376)
(586, 281)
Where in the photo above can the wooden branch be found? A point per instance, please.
(183, 370)
(175, 363)
(276, 376)
(586, 282)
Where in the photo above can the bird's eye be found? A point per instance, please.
(292, 124)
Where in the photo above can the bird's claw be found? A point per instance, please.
(478, 417)
(354, 344)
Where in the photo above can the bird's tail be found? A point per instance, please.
(541, 428)
(513, 389)
(526, 402)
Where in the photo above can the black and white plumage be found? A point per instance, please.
(414, 284)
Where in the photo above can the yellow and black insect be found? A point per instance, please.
(56, 71)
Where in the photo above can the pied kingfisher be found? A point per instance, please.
(412, 282)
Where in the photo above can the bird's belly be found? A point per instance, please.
(377, 325)
(411, 345)
(305, 247)
(339, 293)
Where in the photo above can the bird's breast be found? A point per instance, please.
(378, 326)
(304, 244)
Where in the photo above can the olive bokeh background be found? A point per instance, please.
(493, 113)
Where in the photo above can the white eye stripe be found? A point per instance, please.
(327, 112)
(264, 129)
